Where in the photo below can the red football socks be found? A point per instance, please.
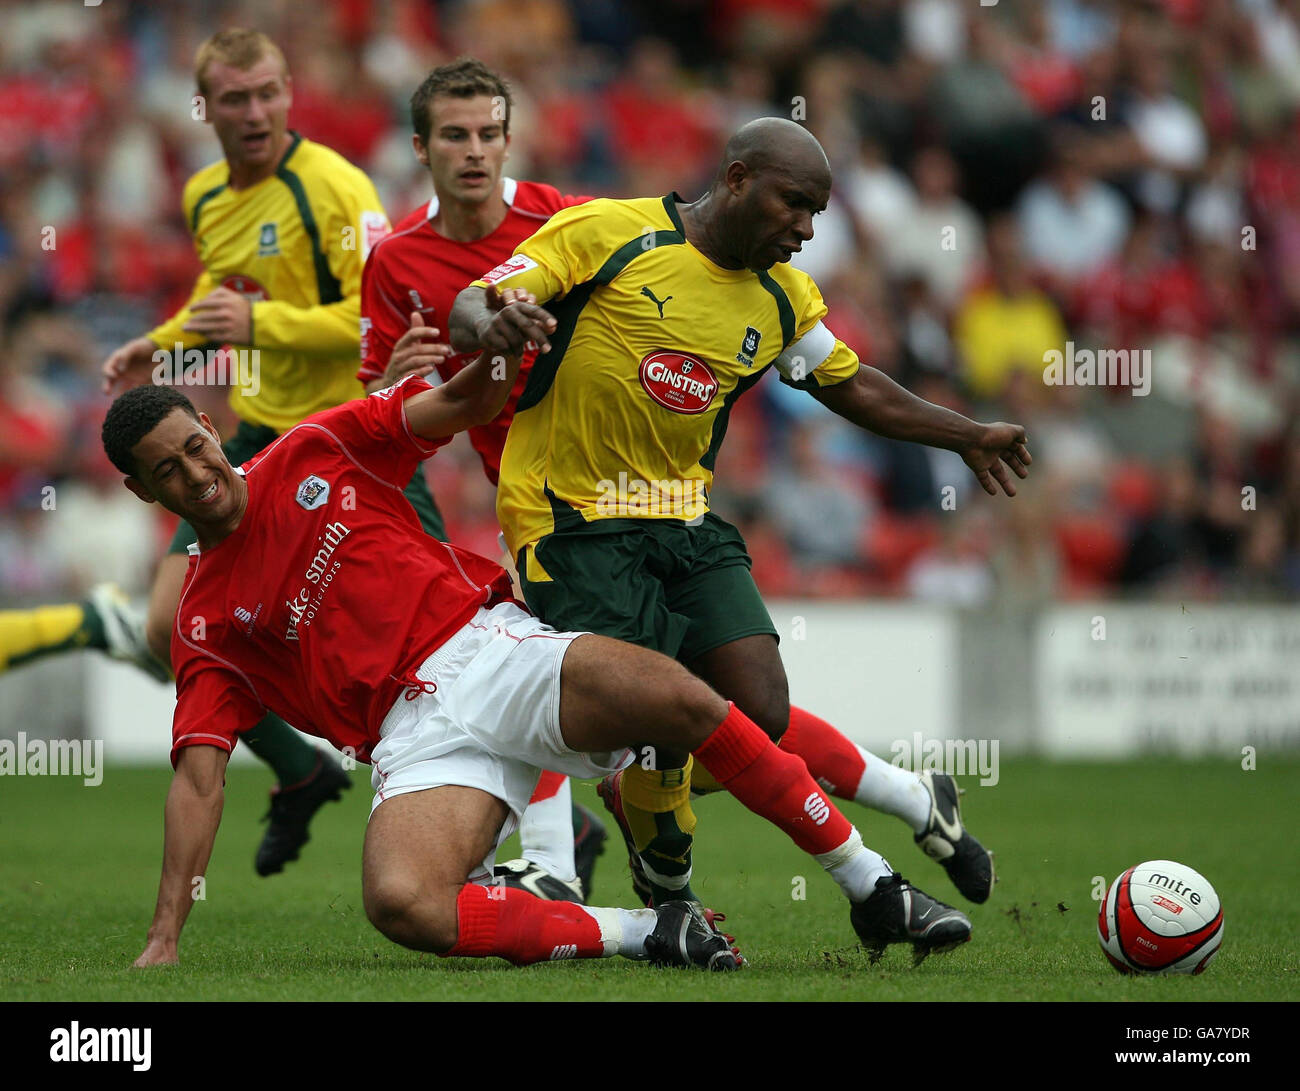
(831, 758)
(514, 925)
(773, 784)
(547, 785)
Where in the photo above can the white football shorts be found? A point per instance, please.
(493, 720)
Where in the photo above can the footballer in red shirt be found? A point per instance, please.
(460, 117)
(312, 591)
(419, 271)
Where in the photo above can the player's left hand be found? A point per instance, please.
(157, 952)
(517, 323)
(223, 315)
(1001, 447)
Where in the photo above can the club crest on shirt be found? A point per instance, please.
(313, 492)
(749, 346)
(268, 240)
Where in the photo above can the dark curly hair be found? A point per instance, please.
(133, 416)
(463, 78)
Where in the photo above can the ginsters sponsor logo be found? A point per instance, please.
(678, 381)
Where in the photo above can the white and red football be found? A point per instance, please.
(1160, 917)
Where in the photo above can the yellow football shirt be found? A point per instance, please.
(624, 416)
(295, 244)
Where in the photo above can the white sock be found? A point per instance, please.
(894, 790)
(855, 867)
(623, 931)
(546, 834)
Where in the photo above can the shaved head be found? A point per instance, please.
(773, 179)
(772, 142)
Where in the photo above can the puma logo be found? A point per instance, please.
(658, 303)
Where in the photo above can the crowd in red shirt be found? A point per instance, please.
(1139, 165)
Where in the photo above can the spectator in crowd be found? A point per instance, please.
(1162, 212)
(1006, 325)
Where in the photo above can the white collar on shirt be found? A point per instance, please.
(508, 189)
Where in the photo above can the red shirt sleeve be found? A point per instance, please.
(214, 705)
(375, 435)
(383, 319)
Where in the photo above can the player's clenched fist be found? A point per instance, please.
(129, 366)
(222, 315)
(516, 323)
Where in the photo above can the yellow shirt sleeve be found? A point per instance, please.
(566, 251)
(816, 358)
(350, 219)
(168, 334)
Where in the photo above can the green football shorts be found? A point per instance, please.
(660, 583)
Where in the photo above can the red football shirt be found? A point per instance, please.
(328, 596)
(416, 269)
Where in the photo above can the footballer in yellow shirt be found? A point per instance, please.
(282, 226)
(654, 316)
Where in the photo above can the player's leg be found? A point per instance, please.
(608, 581)
(165, 595)
(722, 602)
(549, 829)
(546, 834)
(104, 620)
(612, 693)
(928, 803)
(749, 671)
(442, 805)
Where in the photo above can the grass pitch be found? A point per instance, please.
(79, 872)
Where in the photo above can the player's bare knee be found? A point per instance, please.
(389, 903)
(698, 713)
(771, 712)
(415, 917)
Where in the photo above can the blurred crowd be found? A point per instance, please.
(1010, 180)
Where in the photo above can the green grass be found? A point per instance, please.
(79, 871)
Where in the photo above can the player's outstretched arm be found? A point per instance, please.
(480, 319)
(476, 394)
(473, 396)
(872, 400)
(191, 817)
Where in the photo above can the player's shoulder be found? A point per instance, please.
(538, 199)
(323, 170)
(407, 233)
(205, 180)
(797, 285)
(614, 220)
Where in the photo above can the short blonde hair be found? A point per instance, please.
(238, 47)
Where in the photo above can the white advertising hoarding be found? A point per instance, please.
(1116, 680)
